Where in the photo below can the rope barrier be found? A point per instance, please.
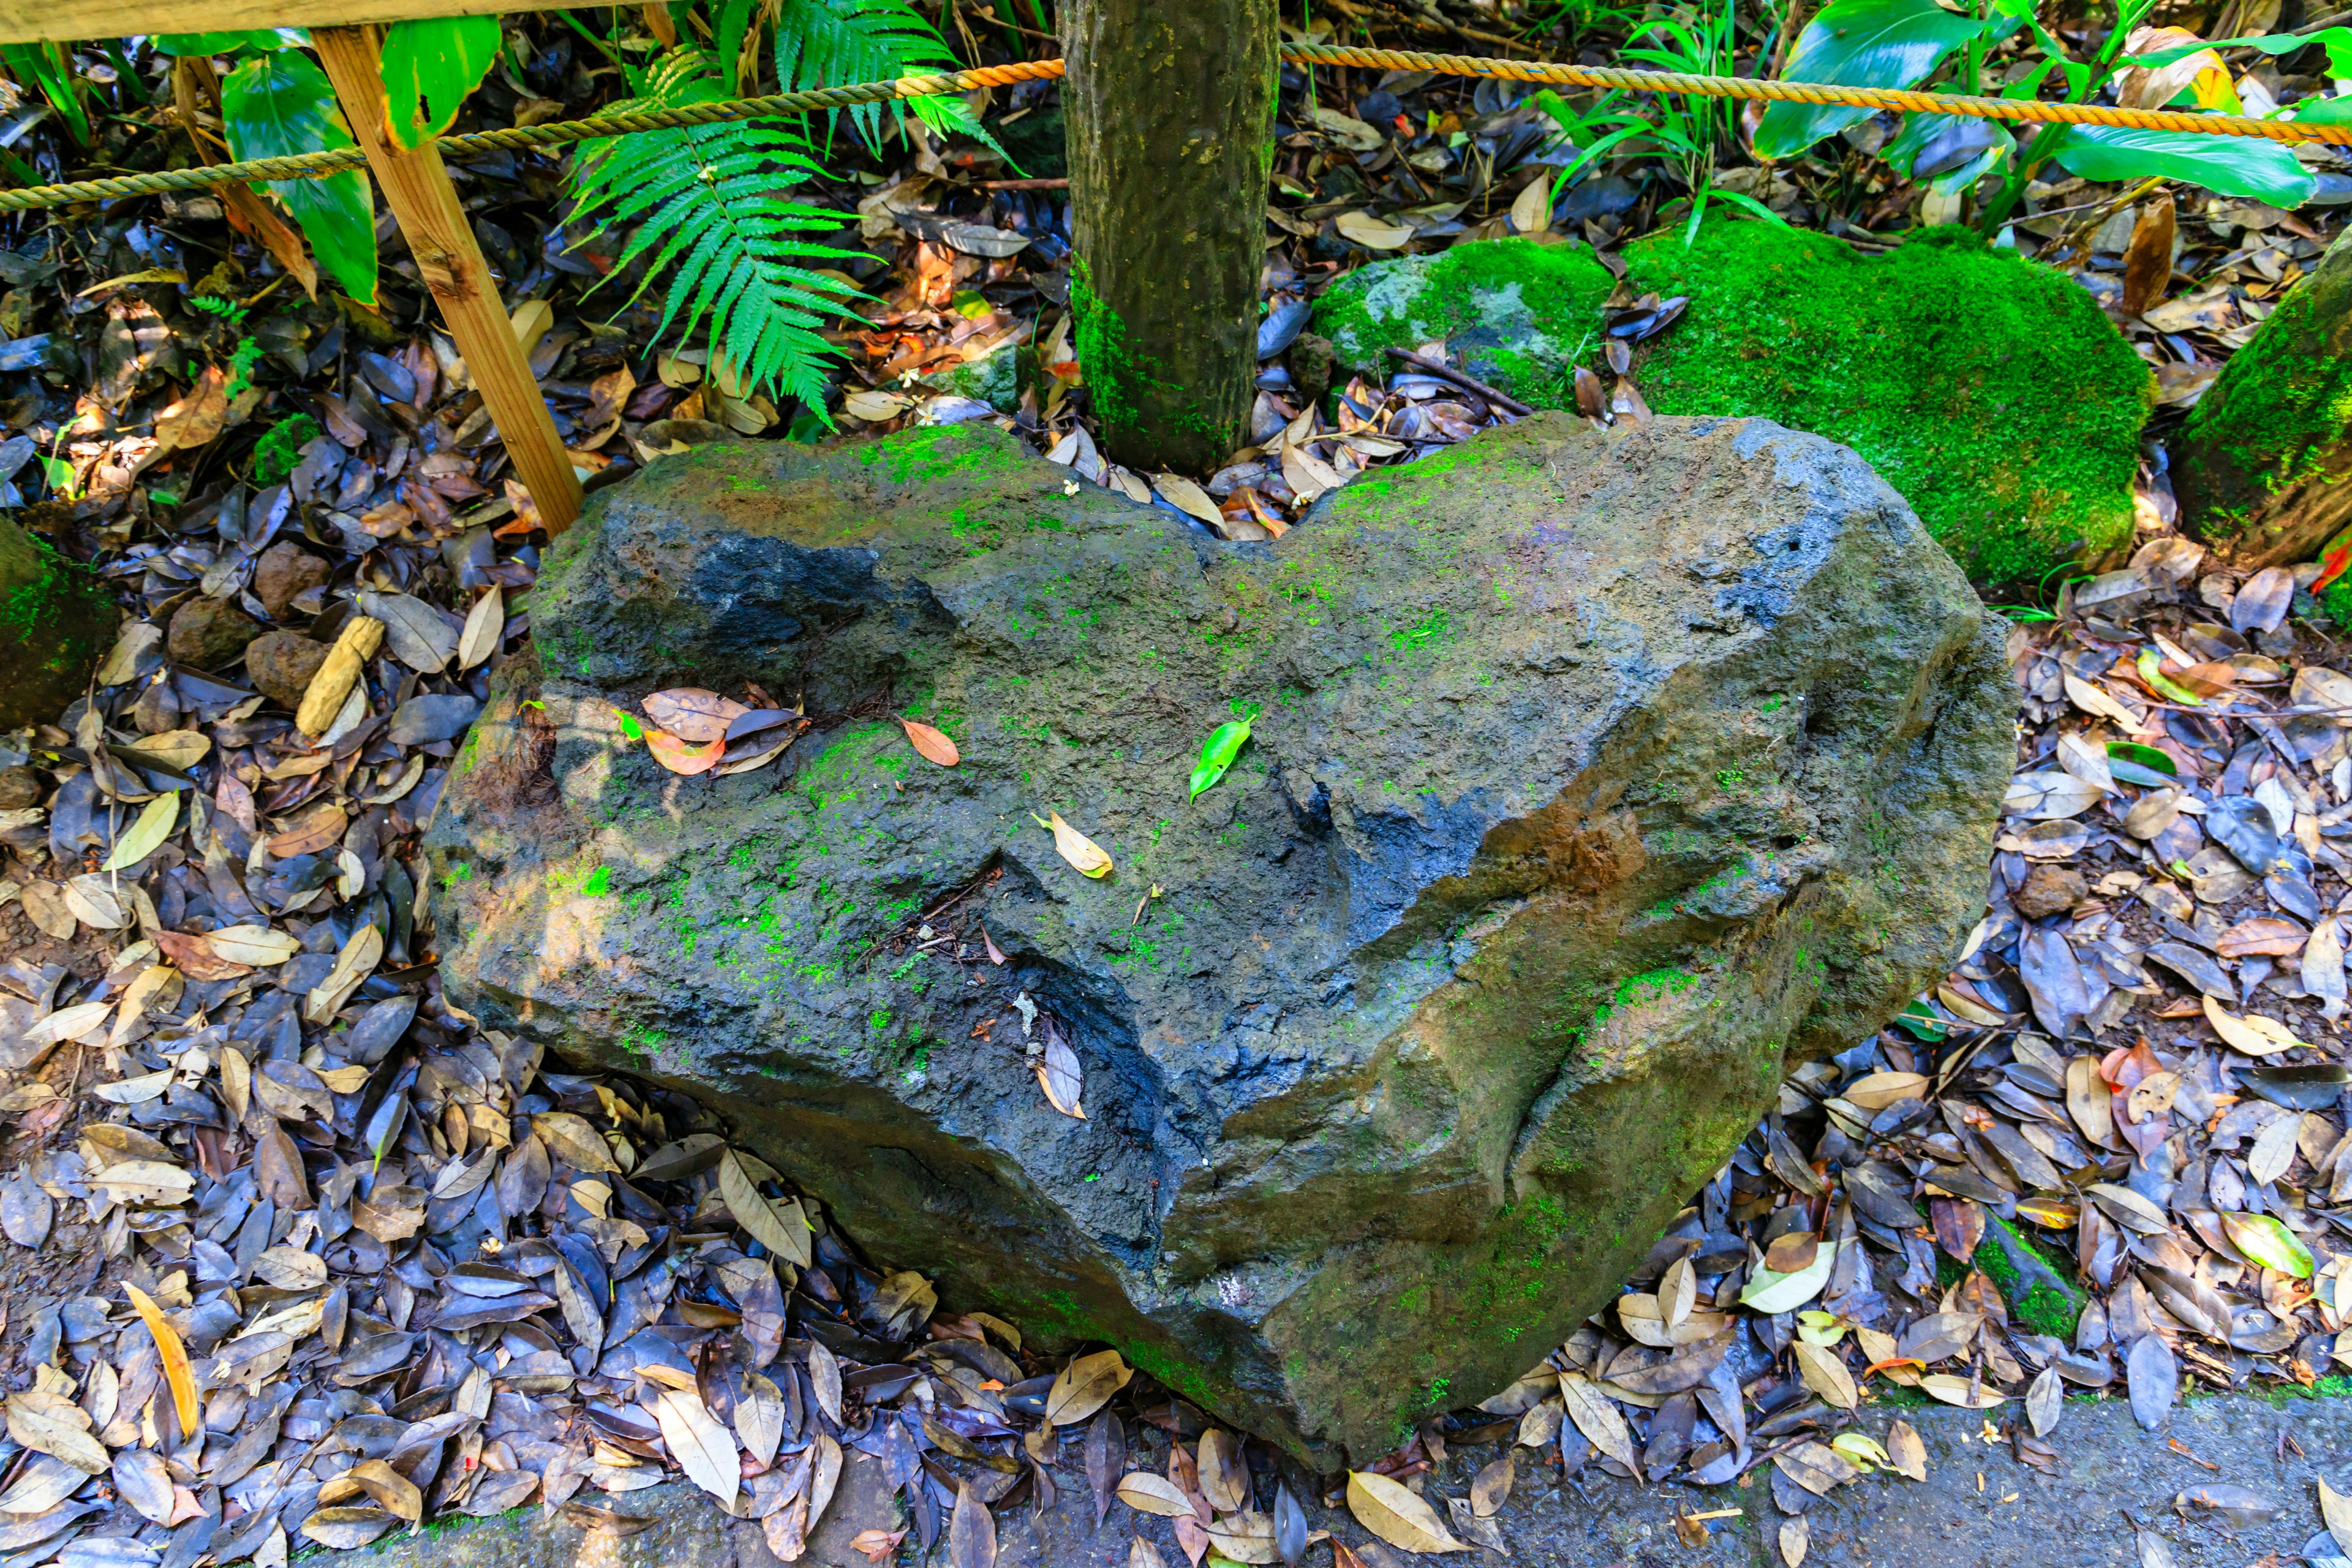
(526, 137)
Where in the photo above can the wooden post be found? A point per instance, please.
(416, 187)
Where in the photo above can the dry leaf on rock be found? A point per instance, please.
(933, 746)
(1075, 846)
(679, 757)
(1147, 1493)
(693, 715)
(782, 1228)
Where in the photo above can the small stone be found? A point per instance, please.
(2050, 890)
(992, 379)
(20, 788)
(284, 571)
(209, 632)
(281, 665)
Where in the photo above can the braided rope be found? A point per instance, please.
(525, 138)
(2030, 111)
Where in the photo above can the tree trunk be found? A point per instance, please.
(2263, 470)
(1170, 106)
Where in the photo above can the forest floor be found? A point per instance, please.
(404, 1269)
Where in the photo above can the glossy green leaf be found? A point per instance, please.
(2337, 111)
(1921, 1024)
(1859, 43)
(429, 66)
(1217, 754)
(2233, 165)
(277, 104)
(2268, 1243)
(2337, 41)
(2146, 757)
(267, 39)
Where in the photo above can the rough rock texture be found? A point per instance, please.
(285, 570)
(207, 634)
(56, 622)
(281, 665)
(1597, 777)
(1989, 390)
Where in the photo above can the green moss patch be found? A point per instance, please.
(1989, 390)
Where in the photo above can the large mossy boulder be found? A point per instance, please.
(57, 621)
(1991, 391)
(1597, 778)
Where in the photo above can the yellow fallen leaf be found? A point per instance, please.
(934, 746)
(173, 1354)
(1075, 847)
(2253, 1033)
(1390, 1511)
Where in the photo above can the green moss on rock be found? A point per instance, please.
(56, 622)
(2039, 1293)
(1988, 389)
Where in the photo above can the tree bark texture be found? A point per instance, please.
(2263, 470)
(57, 621)
(1169, 110)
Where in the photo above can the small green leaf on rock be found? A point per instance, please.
(1217, 754)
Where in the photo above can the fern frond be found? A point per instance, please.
(708, 211)
(830, 43)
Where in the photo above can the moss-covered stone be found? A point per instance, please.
(2037, 1289)
(1596, 776)
(56, 622)
(992, 379)
(2263, 467)
(1988, 389)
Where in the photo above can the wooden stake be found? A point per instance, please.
(418, 189)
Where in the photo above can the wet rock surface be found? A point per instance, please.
(1597, 779)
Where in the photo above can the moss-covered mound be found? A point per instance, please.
(56, 622)
(1988, 389)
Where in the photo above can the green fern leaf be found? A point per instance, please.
(708, 214)
(831, 42)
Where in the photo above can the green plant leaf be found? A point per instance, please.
(1217, 754)
(2233, 165)
(2146, 757)
(1767, 1293)
(33, 65)
(707, 200)
(2337, 111)
(2337, 41)
(829, 43)
(1859, 43)
(429, 66)
(2268, 1243)
(277, 104)
(267, 39)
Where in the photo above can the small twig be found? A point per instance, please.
(1502, 400)
(1060, 185)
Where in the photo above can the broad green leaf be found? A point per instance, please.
(33, 66)
(2233, 165)
(429, 66)
(278, 104)
(2337, 111)
(144, 837)
(1859, 43)
(1217, 754)
(268, 39)
(2268, 1243)
(2337, 41)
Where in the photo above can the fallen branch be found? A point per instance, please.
(1502, 400)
